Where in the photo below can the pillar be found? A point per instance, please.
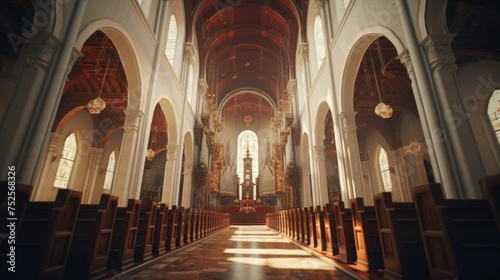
(352, 161)
(170, 189)
(321, 186)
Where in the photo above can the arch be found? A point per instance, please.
(321, 113)
(171, 119)
(360, 43)
(67, 159)
(252, 146)
(432, 18)
(127, 51)
(243, 91)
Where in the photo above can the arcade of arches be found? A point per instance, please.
(285, 103)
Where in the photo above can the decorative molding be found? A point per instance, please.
(320, 153)
(75, 55)
(189, 53)
(438, 49)
(202, 87)
(405, 59)
(304, 51)
(40, 50)
(132, 120)
(319, 3)
(171, 152)
(349, 121)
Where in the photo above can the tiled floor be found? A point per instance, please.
(240, 252)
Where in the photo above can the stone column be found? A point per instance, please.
(188, 171)
(307, 198)
(129, 161)
(93, 171)
(31, 111)
(45, 177)
(170, 189)
(322, 186)
(457, 133)
(352, 161)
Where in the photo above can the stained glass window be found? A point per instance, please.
(108, 180)
(171, 39)
(66, 162)
(494, 112)
(383, 162)
(319, 40)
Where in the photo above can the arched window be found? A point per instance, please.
(171, 39)
(494, 112)
(108, 180)
(189, 89)
(66, 163)
(383, 162)
(319, 40)
(247, 140)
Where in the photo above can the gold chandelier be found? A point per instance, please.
(382, 110)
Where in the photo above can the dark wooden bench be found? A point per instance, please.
(171, 228)
(402, 246)
(179, 229)
(160, 233)
(313, 243)
(345, 233)
(491, 184)
(331, 231)
(320, 228)
(460, 236)
(88, 256)
(13, 196)
(366, 236)
(145, 232)
(121, 252)
(44, 241)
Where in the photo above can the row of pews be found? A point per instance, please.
(64, 239)
(430, 238)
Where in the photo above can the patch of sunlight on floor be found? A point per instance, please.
(280, 252)
(258, 239)
(254, 232)
(310, 263)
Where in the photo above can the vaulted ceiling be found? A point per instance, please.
(247, 45)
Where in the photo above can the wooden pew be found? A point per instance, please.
(330, 230)
(402, 246)
(179, 229)
(188, 226)
(171, 228)
(145, 232)
(121, 252)
(491, 184)
(299, 225)
(88, 256)
(312, 227)
(16, 196)
(366, 235)
(307, 224)
(160, 233)
(44, 241)
(320, 228)
(345, 233)
(196, 226)
(460, 236)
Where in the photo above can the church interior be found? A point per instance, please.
(341, 125)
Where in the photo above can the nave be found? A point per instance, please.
(241, 252)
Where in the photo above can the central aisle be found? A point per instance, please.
(240, 252)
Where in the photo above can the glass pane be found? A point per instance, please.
(248, 140)
(319, 40)
(108, 180)
(171, 39)
(383, 162)
(494, 112)
(66, 162)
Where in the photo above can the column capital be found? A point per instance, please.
(202, 87)
(189, 53)
(40, 50)
(304, 51)
(291, 87)
(438, 49)
(132, 120)
(405, 59)
(319, 3)
(171, 152)
(349, 121)
(320, 152)
(75, 55)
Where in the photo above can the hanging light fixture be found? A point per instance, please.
(95, 106)
(382, 110)
(150, 153)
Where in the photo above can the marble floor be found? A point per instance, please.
(240, 252)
